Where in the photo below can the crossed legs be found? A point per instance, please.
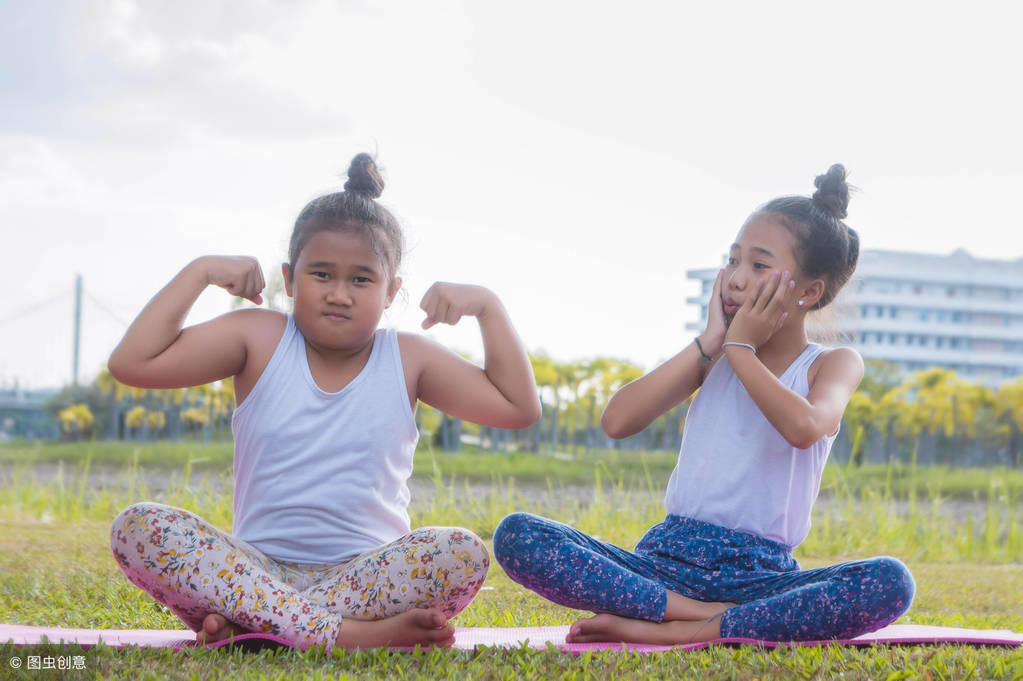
(401, 594)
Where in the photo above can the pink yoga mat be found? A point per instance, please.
(469, 638)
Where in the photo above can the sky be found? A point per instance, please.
(575, 157)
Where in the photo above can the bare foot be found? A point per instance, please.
(679, 607)
(418, 626)
(216, 627)
(606, 627)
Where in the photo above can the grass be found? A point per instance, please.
(56, 570)
(636, 469)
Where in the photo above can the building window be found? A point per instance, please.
(891, 313)
(989, 319)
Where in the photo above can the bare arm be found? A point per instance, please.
(640, 402)
(503, 393)
(801, 420)
(156, 353)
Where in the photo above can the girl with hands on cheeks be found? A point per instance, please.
(754, 445)
(321, 552)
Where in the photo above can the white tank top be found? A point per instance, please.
(736, 470)
(321, 477)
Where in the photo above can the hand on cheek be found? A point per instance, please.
(764, 311)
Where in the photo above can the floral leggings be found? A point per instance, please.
(776, 601)
(195, 569)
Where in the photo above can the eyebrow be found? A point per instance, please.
(757, 249)
(325, 264)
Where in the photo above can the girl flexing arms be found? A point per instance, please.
(321, 552)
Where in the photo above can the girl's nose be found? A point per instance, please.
(339, 295)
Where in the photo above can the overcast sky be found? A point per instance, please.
(575, 157)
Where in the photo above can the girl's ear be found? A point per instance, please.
(811, 293)
(393, 291)
(288, 283)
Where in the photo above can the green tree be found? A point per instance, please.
(860, 414)
(546, 375)
(1009, 410)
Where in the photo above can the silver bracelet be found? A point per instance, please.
(741, 345)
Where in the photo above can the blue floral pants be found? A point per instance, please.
(776, 601)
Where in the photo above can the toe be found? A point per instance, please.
(210, 624)
(442, 634)
(583, 638)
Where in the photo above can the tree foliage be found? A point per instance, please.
(933, 414)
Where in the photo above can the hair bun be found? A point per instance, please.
(832, 195)
(363, 177)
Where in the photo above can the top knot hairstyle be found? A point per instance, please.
(353, 210)
(825, 246)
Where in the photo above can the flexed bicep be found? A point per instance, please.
(459, 388)
(200, 354)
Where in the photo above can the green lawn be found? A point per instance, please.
(55, 569)
(637, 470)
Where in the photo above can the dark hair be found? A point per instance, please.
(353, 210)
(825, 246)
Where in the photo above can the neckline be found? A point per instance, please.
(795, 361)
(809, 346)
(308, 372)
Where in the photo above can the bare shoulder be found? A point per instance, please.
(843, 364)
(260, 320)
(416, 350)
(261, 331)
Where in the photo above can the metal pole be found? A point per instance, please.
(78, 327)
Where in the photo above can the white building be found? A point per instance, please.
(921, 310)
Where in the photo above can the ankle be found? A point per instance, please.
(355, 634)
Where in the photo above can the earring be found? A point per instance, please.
(799, 303)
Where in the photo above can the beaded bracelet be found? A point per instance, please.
(741, 345)
(705, 359)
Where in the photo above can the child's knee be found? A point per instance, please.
(886, 588)
(467, 547)
(512, 533)
(897, 582)
(133, 520)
